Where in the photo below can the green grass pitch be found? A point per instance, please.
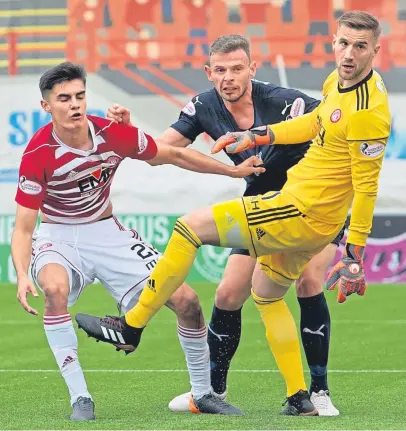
(367, 370)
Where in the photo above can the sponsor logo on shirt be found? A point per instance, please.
(372, 150)
(96, 178)
(189, 109)
(29, 187)
(142, 141)
(297, 109)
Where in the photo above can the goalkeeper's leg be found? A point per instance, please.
(224, 225)
(283, 340)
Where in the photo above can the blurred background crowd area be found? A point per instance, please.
(176, 34)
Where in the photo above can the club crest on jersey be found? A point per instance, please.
(372, 150)
(189, 108)
(29, 187)
(97, 177)
(113, 160)
(335, 117)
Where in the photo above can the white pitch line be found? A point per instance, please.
(185, 371)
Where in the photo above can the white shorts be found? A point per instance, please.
(103, 250)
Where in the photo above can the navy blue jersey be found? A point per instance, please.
(206, 112)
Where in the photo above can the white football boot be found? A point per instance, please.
(322, 401)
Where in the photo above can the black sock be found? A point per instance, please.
(315, 332)
(223, 336)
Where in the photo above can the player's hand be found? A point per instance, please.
(235, 142)
(119, 114)
(24, 287)
(253, 165)
(348, 274)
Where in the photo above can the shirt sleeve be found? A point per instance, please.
(306, 127)
(367, 125)
(368, 135)
(297, 130)
(188, 124)
(32, 180)
(132, 142)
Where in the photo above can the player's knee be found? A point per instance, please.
(186, 304)
(189, 221)
(56, 294)
(231, 296)
(54, 282)
(311, 281)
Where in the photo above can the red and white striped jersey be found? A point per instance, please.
(73, 186)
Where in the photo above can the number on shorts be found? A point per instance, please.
(143, 251)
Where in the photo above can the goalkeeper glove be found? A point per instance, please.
(348, 273)
(235, 142)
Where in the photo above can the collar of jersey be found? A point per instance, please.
(97, 140)
(354, 87)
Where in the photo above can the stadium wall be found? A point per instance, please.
(149, 199)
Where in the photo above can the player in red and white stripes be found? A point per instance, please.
(65, 176)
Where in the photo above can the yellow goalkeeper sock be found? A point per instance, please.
(170, 272)
(283, 340)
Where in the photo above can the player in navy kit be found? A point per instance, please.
(238, 102)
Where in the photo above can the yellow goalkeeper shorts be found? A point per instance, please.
(275, 231)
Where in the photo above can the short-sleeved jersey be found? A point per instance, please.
(346, 156)
(272, 104)
(72, 186)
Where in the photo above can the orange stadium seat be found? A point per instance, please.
(32, 37)
(287, 39)
(118, 32)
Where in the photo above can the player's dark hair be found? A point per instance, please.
(230, 43)
(359, 20)
(62, 72)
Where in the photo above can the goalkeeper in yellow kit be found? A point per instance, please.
(285, 229)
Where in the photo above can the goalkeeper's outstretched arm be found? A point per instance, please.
(296, 131)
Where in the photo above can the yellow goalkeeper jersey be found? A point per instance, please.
(350, 129)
